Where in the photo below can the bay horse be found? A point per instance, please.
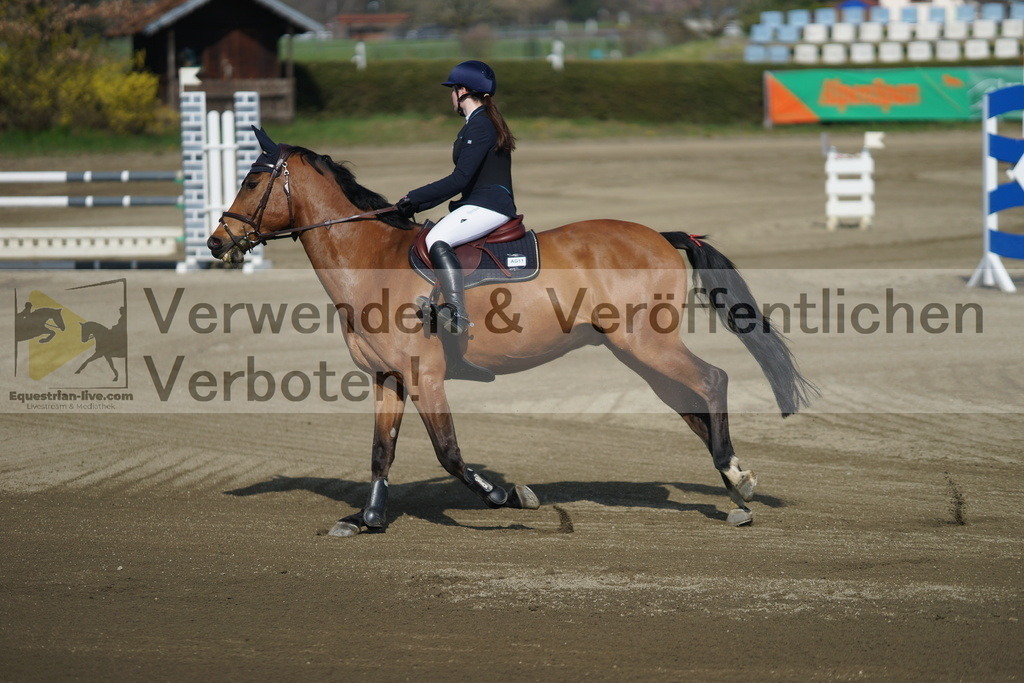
(290, 190)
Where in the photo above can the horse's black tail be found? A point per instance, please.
(729, 295)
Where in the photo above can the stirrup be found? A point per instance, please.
(448, 317)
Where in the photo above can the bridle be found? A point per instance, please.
(253, 236)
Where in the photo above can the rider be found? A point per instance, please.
(483, 174)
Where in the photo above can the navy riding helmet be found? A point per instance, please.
(474, 75)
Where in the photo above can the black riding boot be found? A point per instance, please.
(449, 275)
(452, 317)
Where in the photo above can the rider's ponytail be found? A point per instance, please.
(506, 141)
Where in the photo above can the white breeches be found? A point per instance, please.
(465, 224)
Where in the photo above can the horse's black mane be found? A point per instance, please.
(362, 198)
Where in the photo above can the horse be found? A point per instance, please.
(110, 343)
(37, 323)
(289, 190)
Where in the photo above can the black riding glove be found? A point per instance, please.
(405, 207)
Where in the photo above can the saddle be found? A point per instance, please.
(471, 254)
(507, 255)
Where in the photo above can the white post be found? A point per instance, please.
(557, 57)
(214, 172)
(360, 57)
(229, 148)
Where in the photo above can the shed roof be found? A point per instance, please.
(165, 13)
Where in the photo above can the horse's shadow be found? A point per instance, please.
(431, 499)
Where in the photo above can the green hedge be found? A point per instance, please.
(627, 91)
(698, 93)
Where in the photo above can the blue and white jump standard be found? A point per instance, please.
(991, 272)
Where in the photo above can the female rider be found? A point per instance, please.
(483, 174)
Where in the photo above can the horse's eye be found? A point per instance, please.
(251, 184)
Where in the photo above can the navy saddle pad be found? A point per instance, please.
(520, 258)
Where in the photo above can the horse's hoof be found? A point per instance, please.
(740, 517)
(746, 485)
(344, 529)
(523, 498)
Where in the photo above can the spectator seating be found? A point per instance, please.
(900, 30)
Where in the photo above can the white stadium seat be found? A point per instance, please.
(948, 51)
(898, 31)
(815, 33)
(890, 52)
(955, 30)
(805, 53)
(1006, 48)
(927, 30)
(833, 53)
(976, 48)
(870, 32)
(984, 28)
(1012, 28)
(862, 53)
(919, 51)
(843, 33)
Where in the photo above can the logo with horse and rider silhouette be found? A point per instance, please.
(59, 334)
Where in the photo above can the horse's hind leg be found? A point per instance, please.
(110, 362)
(697, 391)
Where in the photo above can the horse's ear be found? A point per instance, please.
(266, 144)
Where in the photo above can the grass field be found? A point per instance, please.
(310, 131)
(407, 129)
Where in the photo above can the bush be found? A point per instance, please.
(626, 91)
(52, 75)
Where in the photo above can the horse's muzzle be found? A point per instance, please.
(227, 252)
(216, 246)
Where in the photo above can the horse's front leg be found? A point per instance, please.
(432, 404)
(388, 406)
(95, 355)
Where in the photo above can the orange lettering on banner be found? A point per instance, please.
(878, 93)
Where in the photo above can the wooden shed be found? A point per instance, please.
(234, 42)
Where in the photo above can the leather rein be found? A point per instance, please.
(253, 237)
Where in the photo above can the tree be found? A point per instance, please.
(54, 70)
